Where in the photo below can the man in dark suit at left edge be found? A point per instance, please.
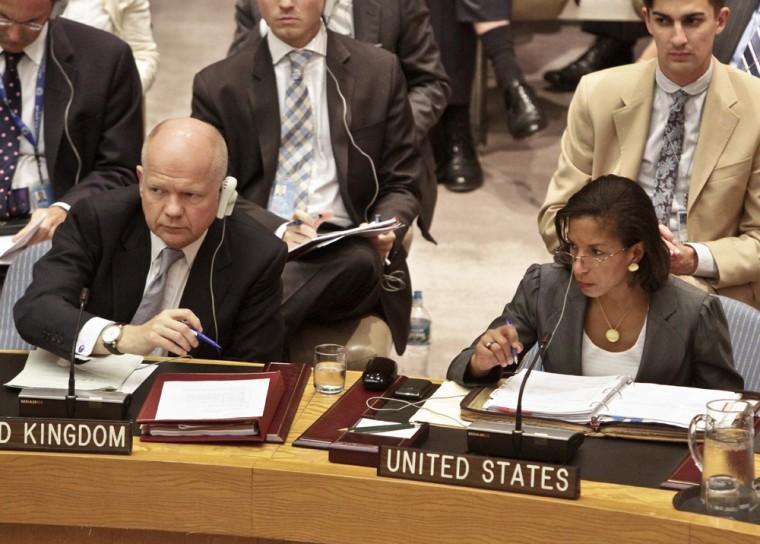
(160, 263)
(55, 159)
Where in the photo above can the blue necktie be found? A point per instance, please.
(291, 184)
(9, 134)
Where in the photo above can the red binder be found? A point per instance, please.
(274, 395)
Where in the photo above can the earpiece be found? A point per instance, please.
(227, 197)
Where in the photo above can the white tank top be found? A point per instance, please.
(596, 361)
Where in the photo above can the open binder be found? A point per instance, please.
(618, 408)
(251, 427)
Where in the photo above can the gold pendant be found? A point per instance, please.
(612, 335)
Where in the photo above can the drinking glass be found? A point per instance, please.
(727, 453)
(329, 368)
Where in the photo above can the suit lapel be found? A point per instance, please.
(663, 346)
(719, 119)
(337, 57)
(262, 94)
(632, 123)
(57, 93)
(196, 295)
(367, 17)
(131, 262)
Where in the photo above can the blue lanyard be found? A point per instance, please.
(39, 97)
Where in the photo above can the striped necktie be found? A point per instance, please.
(291, 182)
(751, 53)
(342, 18)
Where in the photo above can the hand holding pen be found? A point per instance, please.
(303, 227)
(496, 347)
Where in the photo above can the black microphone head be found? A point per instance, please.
(84, 296)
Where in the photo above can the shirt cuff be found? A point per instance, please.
(706, 267)
(63, 205)
(89, 334)
(280, 231)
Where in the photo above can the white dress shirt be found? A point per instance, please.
(693, 108)
(176, 280)
(27, 174)
(324, 189)
(89, 12)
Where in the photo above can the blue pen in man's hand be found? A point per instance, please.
(205, 339)
(512, 348)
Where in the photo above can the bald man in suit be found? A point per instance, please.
(616, 124)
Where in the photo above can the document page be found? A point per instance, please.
(668, 404)
(212, 399)
(45, 369)
(555, 396)
(8, 246)
(442, 408)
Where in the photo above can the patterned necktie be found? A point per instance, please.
(9, 134)
(750, 58)
(342, 18)
(291, 184)
(666, 171)
(153, 298)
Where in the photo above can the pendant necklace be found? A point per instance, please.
(612, 334)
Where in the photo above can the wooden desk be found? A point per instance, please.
(255, 494)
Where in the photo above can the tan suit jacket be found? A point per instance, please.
(607, 128)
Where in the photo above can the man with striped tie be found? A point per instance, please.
(321, 135)
(687, 127)
(403, 28)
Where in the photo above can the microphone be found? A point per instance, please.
(54, 403)
(71, 396)
(532, 442)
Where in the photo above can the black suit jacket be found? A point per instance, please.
(687, 339)
(104, 244)
(403, 28)
(243, 106)
(105, 118)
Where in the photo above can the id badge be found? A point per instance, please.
(41, 195)
(683, 235)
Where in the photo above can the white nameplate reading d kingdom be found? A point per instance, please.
(495, 473)
(65, 435)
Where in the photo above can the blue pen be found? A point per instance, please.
(205, 339)
(513, 348)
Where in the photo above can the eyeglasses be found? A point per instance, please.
(6, 24)
(568, 258)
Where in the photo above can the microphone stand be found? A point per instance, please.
(71, 396)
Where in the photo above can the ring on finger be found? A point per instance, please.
(489, 344)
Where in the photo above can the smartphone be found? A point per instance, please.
(413, 389)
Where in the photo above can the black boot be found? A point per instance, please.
(458, 166)
(524, 117)
(604, 53)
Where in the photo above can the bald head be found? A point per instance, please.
(184, 164)
(188, 144)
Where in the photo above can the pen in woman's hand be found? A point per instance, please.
(512, 348)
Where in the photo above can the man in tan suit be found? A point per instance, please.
(625, 121)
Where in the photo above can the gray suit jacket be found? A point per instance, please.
(687, 340)
(403, 28)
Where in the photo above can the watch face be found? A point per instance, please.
(111, 333)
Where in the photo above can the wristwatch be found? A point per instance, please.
(111, 336)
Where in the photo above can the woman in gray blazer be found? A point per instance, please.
(608, 304)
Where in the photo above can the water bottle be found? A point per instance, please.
(415, 359)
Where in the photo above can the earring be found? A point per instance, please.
(633, 267)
